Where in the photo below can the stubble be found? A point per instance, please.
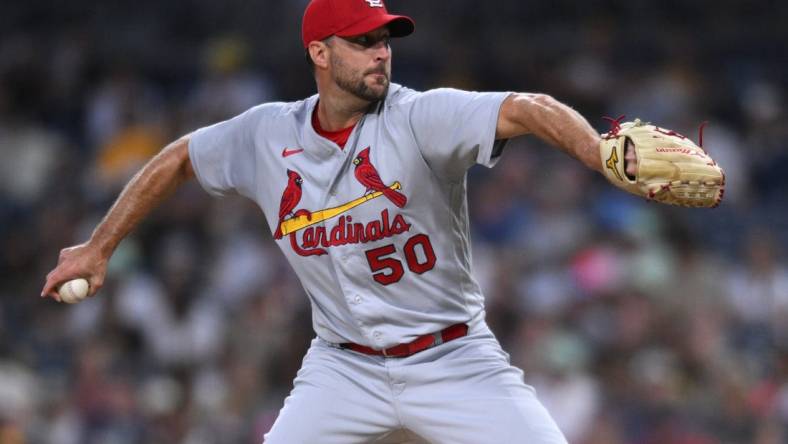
(353, 83)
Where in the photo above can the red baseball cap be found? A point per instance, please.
(346, 18)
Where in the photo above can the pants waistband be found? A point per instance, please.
(419, 344)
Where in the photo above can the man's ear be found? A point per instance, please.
(319, 53)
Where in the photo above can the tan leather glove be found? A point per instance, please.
(671, 169)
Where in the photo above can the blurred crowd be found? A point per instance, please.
(636, 323)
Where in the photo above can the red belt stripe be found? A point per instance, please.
(420, 344)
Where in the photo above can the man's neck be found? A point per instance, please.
(338, 109)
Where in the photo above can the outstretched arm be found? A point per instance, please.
(551, 121)
(643, 159)
(157, 180)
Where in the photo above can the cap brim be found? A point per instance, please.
(399, 26)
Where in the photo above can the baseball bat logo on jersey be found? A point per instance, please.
(316, 239)
(367, 175)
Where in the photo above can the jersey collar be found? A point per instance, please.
(323, 148)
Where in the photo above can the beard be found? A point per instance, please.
(354, 83)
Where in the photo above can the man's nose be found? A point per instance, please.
(382, 51)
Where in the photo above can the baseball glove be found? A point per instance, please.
(671, 169)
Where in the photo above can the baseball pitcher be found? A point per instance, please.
(364, 188)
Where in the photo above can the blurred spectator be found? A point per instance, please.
(229, 87)
(759, 299)
(565, 387)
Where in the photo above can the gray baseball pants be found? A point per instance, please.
(462, 391)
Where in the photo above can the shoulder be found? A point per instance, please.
(406, 98)
(266, 118)
(403, 96)
(279, 111)
(399, 95)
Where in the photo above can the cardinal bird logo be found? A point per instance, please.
(309, 231)
(368, 176)
(290, 198)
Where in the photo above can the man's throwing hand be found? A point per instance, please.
(81, 261)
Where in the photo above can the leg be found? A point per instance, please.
(338, 397)
(469, 393)
(401, 436)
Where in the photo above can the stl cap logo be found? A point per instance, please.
(375, 3)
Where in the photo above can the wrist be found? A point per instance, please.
(592, 157)
(102, 246)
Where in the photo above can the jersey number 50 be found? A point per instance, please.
(388, 270)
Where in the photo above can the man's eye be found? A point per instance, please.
(368, 42)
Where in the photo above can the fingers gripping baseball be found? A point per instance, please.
(80, 261)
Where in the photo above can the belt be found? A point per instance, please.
(420, 344)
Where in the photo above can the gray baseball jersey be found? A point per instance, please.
(377, 232)
(378, 235)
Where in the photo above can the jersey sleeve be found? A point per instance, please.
(223, 156)
(456, 129)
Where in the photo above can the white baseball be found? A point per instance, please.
(73, 291)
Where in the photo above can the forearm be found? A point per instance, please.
(553, 122)
(157, 180)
